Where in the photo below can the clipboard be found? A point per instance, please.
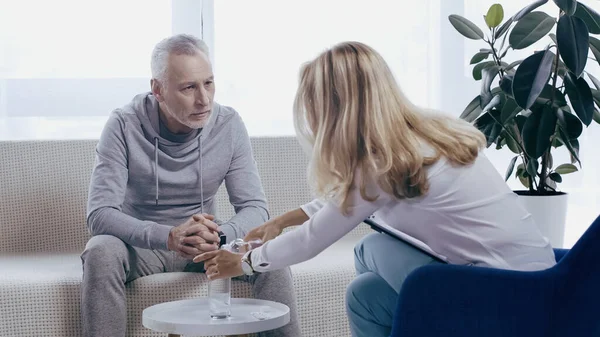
(409, 240)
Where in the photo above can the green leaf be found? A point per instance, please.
(596, 116)
(531, 77)
(503, 29)
(500, 142)
(590, 17)
(510, 168)
(511, 138)
(562, 69)
(553, 38)
(538, 129)
(566, 169)
(532, 167)
(520, 170)
(574, 126)
(524, 181)
(594, 81)
(494, 16)
(572, 145)
(512, 65)
(556, 142)
(506, 84)
(575, 157)
(480, 56)
(509, 110)
(512, 144)
(520, 122)
(496, 101)
(467, 28)
(522, 175)
(530, 29)
(569, 123)
(472, 111)
(567, 6)
(595, 47)
(487, 76)
(573, 42)
(479, 68)
(528, 9)
(555, 177)
(488, 126)
(546, 96)
(560, 117)
(596, 96)
(580, 95)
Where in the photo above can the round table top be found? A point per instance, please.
(191, 317)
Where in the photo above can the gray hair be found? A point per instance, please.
(180, 44)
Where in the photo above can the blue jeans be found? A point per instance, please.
(382, 264)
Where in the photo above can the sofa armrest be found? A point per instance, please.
(451, 300)
(559, 253)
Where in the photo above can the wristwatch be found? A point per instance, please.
(247, 264)
(222, 239)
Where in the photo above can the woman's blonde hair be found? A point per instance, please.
(351, 111)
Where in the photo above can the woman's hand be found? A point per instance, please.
(265, 232)
(221, 264)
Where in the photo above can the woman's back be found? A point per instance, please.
(470, 216)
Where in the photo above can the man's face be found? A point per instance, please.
(186, 99)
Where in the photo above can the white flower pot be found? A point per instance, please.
(549, 213)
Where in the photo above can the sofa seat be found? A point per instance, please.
(40, 293)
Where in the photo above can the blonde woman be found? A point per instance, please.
(374, 152)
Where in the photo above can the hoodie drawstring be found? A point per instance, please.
(200, 168)
(156, 167)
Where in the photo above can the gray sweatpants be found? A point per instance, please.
(109, 263)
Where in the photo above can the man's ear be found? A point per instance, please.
(157, 89)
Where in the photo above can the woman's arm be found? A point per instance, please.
(273, 228)
(292, 218)
(324, 228)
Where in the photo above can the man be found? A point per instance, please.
(159, 163)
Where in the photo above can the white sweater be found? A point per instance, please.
(469, 217)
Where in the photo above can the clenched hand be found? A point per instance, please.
(197, 235)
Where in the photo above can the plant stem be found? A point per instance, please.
(496, 58)
(508, 133)
(523, 153)
(531, 180)
(546, 156)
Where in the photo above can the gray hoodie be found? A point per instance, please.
(146, 180)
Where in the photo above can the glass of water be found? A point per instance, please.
(219, 291)
(219, 298)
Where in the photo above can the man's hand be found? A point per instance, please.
(197, 235)
(265, 232)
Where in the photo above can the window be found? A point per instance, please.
(65, 65)
(259, 47)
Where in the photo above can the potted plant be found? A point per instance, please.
(536, 105)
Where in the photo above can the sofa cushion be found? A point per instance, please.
(40, 293)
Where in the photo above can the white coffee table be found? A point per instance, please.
(191, 317)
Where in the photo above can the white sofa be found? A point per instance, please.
(43, 194)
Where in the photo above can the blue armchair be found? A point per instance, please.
(460, 301)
